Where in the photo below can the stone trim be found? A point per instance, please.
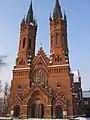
(27, 68)
(59, 65)
(25, 105)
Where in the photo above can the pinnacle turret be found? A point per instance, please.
(65, 17)
(57, 11)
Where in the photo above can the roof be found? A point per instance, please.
(86, 94)
(76, 76)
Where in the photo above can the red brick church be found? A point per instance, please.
(43, 87)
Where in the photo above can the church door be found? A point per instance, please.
(16, 111)
(58, 111)
(34, 111)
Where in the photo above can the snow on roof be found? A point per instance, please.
(86, 94)
(76, 76)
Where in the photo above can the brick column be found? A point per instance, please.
(47, 113)
(24, 112)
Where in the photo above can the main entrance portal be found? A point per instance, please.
(35, 107)
(36, 111)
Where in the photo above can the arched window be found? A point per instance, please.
(34, 46)
(17, 111)
(63, 40)
(55, 59)
(34, 111)
(51, 41)
(41, 111)
(58, 58)
(43, 78)
(40, 76)
(29, 44)
(57, 38)
(24, 42)
(19, 87)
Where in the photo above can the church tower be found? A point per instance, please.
(58, 36)
(27, 36)
(59, 67)
(44, 87)
(26, 51)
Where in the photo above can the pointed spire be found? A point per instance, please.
(29, 17)
(23, 21)
(65, 17)
(57, 11)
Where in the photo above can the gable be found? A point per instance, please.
(40, 60)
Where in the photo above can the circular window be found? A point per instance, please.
(19, 87)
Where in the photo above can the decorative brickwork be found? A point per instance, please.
(41, 85)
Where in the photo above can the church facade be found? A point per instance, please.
(43, 87)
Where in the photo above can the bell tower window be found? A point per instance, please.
(63, 42)
(24, 42)
(34, 46)
(63, 39)
(57, 38)
(58, 58)
(29, 44)
(51, 41)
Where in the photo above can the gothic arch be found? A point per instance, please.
(24, 41)
(31, 105)
(57, 38)
(16, 111)
(33, 110)
(61, 103)
(35, 106)
(40, 75)
(58, 111)
(40, 110)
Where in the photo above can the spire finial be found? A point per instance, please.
(29, 17)
(57, 11)
(40, 44)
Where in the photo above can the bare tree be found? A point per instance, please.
(6, 99)
(2, 58)
(0, 86)
(1, 98)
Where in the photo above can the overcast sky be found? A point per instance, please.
(78, 15)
